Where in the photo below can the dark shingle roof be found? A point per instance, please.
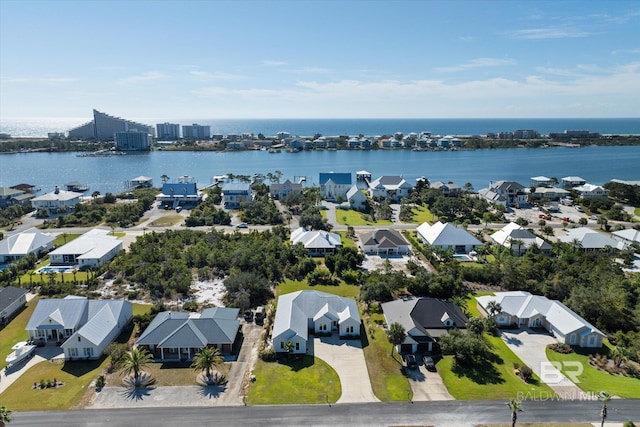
(10, 294)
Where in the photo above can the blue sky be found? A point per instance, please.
(324, 59)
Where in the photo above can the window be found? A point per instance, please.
(68, 332)
(282, 344)
(79, 339)
(297, 346)
(88, 351)
(572, 339)
(73, 352)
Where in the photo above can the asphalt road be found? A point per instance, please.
(449, 413)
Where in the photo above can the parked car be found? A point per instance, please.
(179, 209)
(429, 363)
(242, 225)
(411, 361)
(579, 209)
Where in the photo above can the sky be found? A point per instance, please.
(320, 59)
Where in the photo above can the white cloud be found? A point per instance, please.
(625, 51)
(268, 63)
(145, 77)
(477, 63)
(548, 33)
(205, 75)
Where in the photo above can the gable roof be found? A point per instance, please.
(58, 195)
(446, 234)
(353, 193)
(384, 238)
(590, 239)
(629, 235)
(179, 188)
(26, 242)
(506, 186)
(390, 182)
(513, 231)
(9, 294)
(522, 304)
(336, 178)
(93, 244)
(425, 314)
(315, 239)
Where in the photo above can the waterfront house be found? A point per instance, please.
(523, 310)
(389, 186)
(541, 181)
(12, 299)
(235, 193)
(300, 312)
(519, 240)
(93, 249)
(505, 193)
(627, 237)
(447, 189)
(589, 240)
(82, 327)
(590, 191)
(12, 196)
(447, 236)
(176, 194)
(384, 242)
(56, 200)
(316, 242)
(356, 198)
(568, 182)
(179, 335)
(22, 244)
(278, 191)
(140, 182)
(334, 185)
(424, 320)
(548, 193)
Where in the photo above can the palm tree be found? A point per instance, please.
(395, 335)
(5, 416)
(164, 178)
(207, 359)
(514, 407)
(604, 397)
(494, 307)
(134, 361)
(518, 243)
(95, 194)
(619, 354)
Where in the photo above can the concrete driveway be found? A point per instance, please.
(530, 347)
(347, 358)
(9, 375)
(427, 385)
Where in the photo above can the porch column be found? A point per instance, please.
(161, 353)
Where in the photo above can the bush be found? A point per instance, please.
(100, 382)
(526, 373)
(560, 348)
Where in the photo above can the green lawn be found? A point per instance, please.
(307, 380)
(355, 218)
(387, 381)
(493, 380)
(167, 221)
(343, 290)
(77, 376)
(422, 214)
(15, 331)
(594, 380)
(636, 211)
(141, 308)
(346, 241)
(64, 238)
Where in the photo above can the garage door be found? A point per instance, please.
(405, 348)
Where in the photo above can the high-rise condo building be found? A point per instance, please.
(168, 131)
(132, 141)
(103, 127)
(196, 131)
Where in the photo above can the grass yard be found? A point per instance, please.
(64, 238)
(636, 211)
(343, 290)
(305, 380)
(14, 331)
(346, 241)
(77, 376)
(422, 214)
(167, 221)
(493, 380)
(141, 308)
(387, 381)
(355, 218)
(594, 380)
(166, 374)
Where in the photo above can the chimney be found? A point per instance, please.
(57, 190)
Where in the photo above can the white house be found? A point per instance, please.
(278, 191)
(84, 327)
(317, 242)
(356, 198)
(334, 185)
(590, 240)
(300, 312)
(12, 299)
(384, 242)
(590, 191)
(447, 236)
(549, 193)
(521, 309)
(505, 193)
(56, 200)
(519, 239)
(22, 244)
(394, 187)
(627, 237)
(93, 249)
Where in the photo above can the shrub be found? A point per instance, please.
(526, 373)
(561, 348)
(100, 382)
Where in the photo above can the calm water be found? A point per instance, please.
(597, 165)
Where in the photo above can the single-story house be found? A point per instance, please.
(627, 237)
(278, 191)
(590, 191)
(179, 335)
(447, 189)
(93, 249)
(12, 299)
(519, 239)
(505, 193)
(317, 242)
(56, 200)
(447, 236)
(356, 198)
(394, 187)
(521, 309)
(85, 327)
(334, 185)
(568, 182)
(300, 312)
(549, 193)
(541, 181)
(235, 193)
(175, 194)
(424, 320)
(22, 244)
(589, 240)
(384, 242)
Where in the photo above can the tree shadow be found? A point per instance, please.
(79, 368)
(136, 393)
(481, 373)
(296, 362)
(212, 391)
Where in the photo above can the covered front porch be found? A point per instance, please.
(181, 354)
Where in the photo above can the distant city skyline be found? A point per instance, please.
(320, 59)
